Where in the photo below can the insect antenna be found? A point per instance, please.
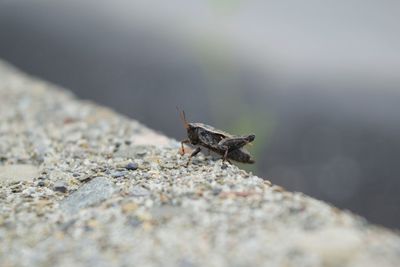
(182, 115)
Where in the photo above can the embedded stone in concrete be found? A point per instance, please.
(17, 173)
(94, 192)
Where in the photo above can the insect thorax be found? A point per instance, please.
(208, 138)
(192, 135)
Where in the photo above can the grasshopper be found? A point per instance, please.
(229, 146)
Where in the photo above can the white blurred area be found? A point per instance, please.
(335, 39)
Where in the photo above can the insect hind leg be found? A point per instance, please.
(235, 142)
(225, 158)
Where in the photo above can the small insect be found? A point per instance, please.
(229, 146)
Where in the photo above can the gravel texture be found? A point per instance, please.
(83, 186)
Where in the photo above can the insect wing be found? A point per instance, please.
(209, 139)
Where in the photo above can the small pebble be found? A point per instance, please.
(128, 142)
(134, 222)
(40, 183)
(60, 186)
(16, 188)
(132, 166)
(117, 144)
(216, 191)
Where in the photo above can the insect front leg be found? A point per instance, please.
(225, 158)
(185, 141)
(194, 153)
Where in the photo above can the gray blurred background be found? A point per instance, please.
(316, 81)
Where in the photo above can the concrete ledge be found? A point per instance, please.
(83, 186)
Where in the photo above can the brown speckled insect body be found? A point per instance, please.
(229, 146)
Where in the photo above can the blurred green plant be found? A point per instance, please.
(260, 123)
(229, 106)
(226, 5)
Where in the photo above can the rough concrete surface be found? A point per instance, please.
(83, 186)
